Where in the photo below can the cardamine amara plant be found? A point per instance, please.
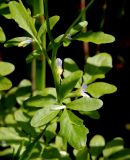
(39, 122)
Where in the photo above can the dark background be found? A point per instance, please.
(115, 113)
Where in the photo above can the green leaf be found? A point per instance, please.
(101, 60)
(5, 152)
(10, 98)
(40, 101)
(113, 146)
(24, 124)
(85, 104)
(18, 41)
(5, 83)
(73, 130)
(56, 40)
(61, 143)
(47, 91)
(69, 83)
(22, 17)
(50, 131)
(6, 68)
(66, 42)
(95, 37)
(24, 91)
(4, 10)
(51, 153)
(83, 154)
(44, 116)
(97, 66)
(9, 119)
(78, 27)
(96, 144)
(43, 29)
(33, 55)
(91, 114)
(10, 136)
(20, 116)
(99, 89)
(123, 154)
(2, 36)
(29, 149)
(69, 67)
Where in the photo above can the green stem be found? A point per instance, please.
(77, 19)
(54, 51)
(39, 66)
(85, 44)
(54, 71)
(48, 24)
(38, 7)
(33, 75)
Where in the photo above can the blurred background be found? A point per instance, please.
(109, 16)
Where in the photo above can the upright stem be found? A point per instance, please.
(104, 7)
(77, 19)
(54, 51)
(39, 65)
(85, 44)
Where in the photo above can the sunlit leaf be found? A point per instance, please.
(66, 42)
(95, 37)
(5, 152)
(9, 119)
(123, 154)
(40, 101)
(24, 91)
(18, 41)
(43, 29)
(85, 104)
(99, 89)
(97, 66)
(69, 83)
(19, 116)
(5, 83)
(50, 131)
(44, 116)
(23, 122)
(6, 68)
(73, 130)
(29, 150)
(2, 36)
(78, 27)
(10, 136)
(4, 10)
(96, 144)
(46, 91)
(22, 17)
(69, 67)
(113, 146)
(83, 154)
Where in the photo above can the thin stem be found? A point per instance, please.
(85, 44)
(48, 24)
(33, 75)
(54, 71)
(77, 19)
(54, 51)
